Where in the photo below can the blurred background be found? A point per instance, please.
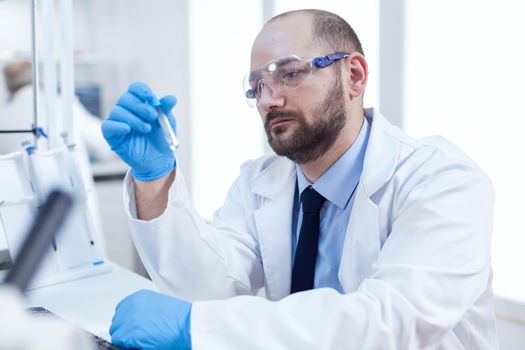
(453, 68)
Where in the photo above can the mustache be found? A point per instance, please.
(272, 115)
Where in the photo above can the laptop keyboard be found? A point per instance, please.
(101, 344)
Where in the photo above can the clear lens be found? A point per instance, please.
(276, 76)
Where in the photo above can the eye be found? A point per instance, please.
(294, 77)
(290, 74)
(260, 86)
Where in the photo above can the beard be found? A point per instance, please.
(309, 141)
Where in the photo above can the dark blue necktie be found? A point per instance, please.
(306, 252)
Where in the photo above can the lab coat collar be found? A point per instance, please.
(274, 223)
(381, 153)
(270, 182)
(362, 240)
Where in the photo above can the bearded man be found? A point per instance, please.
(359, 236)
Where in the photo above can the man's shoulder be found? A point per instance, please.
(435, 161)
(405, 159)
(268, 175)
(394, 155)
(408, 146)
(435, 149)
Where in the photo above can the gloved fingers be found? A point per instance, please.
(116, 322)
(121, 314)
(124, 305)
(137, 106)
(167, 103)
(123, 115)
(114, 132)
(142, 92)
(121, 338)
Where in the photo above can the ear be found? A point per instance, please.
(358, 74)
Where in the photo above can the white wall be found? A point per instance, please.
(225, 131)
(15, 26)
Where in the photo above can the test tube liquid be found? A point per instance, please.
(167, 130)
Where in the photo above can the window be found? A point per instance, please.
(225, 130)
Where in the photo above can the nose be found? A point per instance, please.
(270, 98)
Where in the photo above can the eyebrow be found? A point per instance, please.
(284, 60)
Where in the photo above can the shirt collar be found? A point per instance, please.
(339, 182)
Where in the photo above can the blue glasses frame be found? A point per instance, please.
(325, 61)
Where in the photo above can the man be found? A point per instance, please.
(360, 236)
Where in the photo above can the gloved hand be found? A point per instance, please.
(133, 132)
(150, 320)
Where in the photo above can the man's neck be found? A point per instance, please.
(315, 169)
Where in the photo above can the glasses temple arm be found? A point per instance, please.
(324, 61)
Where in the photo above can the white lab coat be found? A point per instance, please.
(415, 266)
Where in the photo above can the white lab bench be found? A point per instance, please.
(90, 302)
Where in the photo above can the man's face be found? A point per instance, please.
(301, 140)
(302, 123)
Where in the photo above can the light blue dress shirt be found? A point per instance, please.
(337, 185)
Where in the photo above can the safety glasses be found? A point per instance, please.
(283, 74)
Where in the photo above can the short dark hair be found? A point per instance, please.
(331, 30)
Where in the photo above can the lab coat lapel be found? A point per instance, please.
(274, 224)
(362, 241)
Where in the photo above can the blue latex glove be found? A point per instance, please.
(150, 320)
(133, 132)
